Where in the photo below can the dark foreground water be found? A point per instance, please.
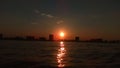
(36, 54)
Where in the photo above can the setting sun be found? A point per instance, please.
(61, 34)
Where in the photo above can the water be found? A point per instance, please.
(36, 54)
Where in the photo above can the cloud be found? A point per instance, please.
(50, 16)
(60, 21)
(47, 15)
(36, 11)
(43, 14)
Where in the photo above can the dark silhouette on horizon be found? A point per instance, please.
(51, 38)
(30, 38)
(42, 39)
(1, 36)
(77, 39)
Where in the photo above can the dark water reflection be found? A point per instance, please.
(36, 54)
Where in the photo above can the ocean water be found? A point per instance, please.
(37, 54)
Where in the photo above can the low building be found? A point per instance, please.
(42, 39)
(30, 38)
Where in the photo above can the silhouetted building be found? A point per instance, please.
(96, 40)
(51, 37)
(30, 38)
(77, 38)
(114, 41)
(1, 36)
(42, 39)
(19, 38)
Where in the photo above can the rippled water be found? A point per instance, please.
(36, 54)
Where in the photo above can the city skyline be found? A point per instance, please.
(84, 18)
(51, 37)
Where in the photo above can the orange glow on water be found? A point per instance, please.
(61, 55)
(61, 43)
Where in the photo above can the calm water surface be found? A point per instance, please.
(37, 54)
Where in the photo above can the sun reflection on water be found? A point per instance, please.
(61, 55)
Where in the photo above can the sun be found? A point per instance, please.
(62, 34)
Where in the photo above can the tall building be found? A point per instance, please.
(77, 38)
(51, 37)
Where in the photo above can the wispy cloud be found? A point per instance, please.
(60, 22)
(58, 19)
(50, 16)
(47, 15)
(43, 14)
(36, 11)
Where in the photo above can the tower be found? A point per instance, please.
(51, 37)
(77, 38)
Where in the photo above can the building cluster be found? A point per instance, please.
(32, 38)
(51, 38)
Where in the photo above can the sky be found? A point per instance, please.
(84, 18)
